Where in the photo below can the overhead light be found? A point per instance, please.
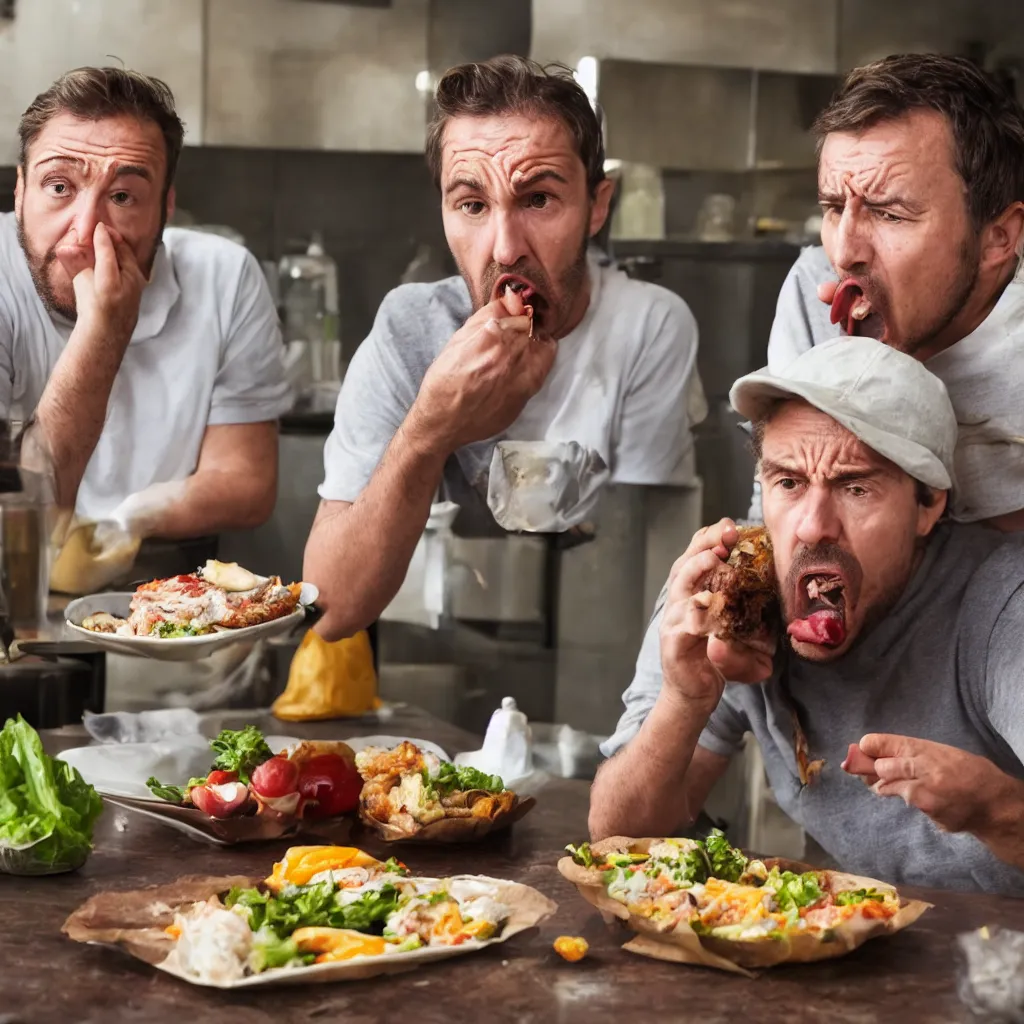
(586, 76)
(424, 82)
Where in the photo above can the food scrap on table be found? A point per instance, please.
(571, 947)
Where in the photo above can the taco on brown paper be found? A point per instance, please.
(411, 794)
(704, 902)
(323, 914)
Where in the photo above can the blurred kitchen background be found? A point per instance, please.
(305, 140)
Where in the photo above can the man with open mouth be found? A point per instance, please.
(921, 184)
(532, 342)
(899, 658)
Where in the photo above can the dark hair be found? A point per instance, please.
(986, 121)
(515, 85)
(924, 494)
(96, 93)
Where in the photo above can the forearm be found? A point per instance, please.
(1002, 828)
(211, 501)
(73, 406)
(642, 791)
(358, 555)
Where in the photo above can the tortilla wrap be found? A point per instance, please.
(453, 828)
(681, 944)
(135, 920)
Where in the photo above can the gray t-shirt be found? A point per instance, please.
(984, 374)
(945, 665)
(624, 384)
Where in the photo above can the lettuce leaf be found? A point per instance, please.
(724, 861)
(240, 750)
(851, 896)
(47, 810)
(793, 891)
(452, 778)
(314, 906)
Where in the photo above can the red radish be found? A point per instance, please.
(275, 778)
(331, 784)
(218, 778)
(220, 801)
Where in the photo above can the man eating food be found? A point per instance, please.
(899, 659)
(921, 182)
(533, 342)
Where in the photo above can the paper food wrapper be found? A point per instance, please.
(136, 920)
(450, 829)
(681, 943)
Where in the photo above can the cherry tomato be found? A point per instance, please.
(331, 784)
(276, 777)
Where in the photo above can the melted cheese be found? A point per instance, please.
(230, 576)
(337, 943)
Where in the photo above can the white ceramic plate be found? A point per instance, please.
(185, 648)
(121, 769)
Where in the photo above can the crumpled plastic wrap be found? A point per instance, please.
(991, 976)
(143, 727)
(544, 486)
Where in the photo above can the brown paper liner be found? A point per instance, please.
(682, 945)
(135, 921)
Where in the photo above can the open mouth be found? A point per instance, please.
(853, 311)
(821, 600)
(512, 282)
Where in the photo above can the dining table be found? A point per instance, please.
(45, 978)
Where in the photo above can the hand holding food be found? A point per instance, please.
(312, 781)
(718, 614)
(481, 380)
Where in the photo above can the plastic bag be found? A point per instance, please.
(329, 680)
(991, 977)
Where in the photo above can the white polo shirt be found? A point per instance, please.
(206, 351)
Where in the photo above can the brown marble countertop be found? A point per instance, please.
(46, 979)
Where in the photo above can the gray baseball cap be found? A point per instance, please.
(884, 397)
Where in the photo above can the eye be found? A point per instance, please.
(831, 209)
(122, 198)
(57, 188)
(472, 207)
(857, 490)
(889, 218)
(538, 200)
(787, 483)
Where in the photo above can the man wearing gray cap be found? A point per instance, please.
(913, 687)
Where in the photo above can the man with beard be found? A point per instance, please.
(914, 689)
(150, 360)
(921, 180)
(452, 368)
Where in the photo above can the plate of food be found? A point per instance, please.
(188, 617)
(241, 786)
(411, 794)
(325, 913)
(705, 902)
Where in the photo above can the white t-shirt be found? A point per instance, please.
(206, 351)
(983, 373)
(624, 383)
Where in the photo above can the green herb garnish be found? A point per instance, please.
(241, 750)
(851, 896)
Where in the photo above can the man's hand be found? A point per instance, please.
(696, 664)
(957, 790)
(107, 281)
(482, 378)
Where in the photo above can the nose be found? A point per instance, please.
(851, 244)
(86, 216)
(509, 238)
(818, 522)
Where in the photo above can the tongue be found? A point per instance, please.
(843, 301)
(824, 627)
